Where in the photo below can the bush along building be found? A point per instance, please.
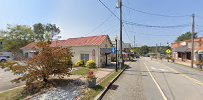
(97, 48)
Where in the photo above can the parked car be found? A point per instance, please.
(137, 56)
(3, 58)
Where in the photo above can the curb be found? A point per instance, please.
(100, 95)
(200, 70)
(12, 89)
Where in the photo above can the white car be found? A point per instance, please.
(4, 58)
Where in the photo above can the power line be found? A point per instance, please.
(151, 34)
(143, 25)
(155, 14)
(153, 26)
(126, 32)
(199, 25)
(109, 9)
(99, 25)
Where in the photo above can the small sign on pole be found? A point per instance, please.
(113, 50)
(168, 51)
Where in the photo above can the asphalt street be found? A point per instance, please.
(147, 79)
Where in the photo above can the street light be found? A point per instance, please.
(116, 38)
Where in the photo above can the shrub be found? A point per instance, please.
(50, 61)
(90, 64)
(79, 63)
(199, 63)
(113, 59)
(90, 75)
(172, 59)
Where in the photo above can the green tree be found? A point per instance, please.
(16, 37)
(185, 36)
(41, 29)
(144, 50)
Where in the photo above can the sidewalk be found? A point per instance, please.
(178, 62)
(100, 73)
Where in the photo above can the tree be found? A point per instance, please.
(1, 40)
(185, 36)
(16, 37)
(144, 50)
(50, 61)
(41, 29)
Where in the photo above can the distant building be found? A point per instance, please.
(97, 48)
(182, 50)
(126, 47)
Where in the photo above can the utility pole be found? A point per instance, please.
(192, 38)
(116, 39)
(160, 50)
(134, 41)
(156, 49)
(121, 25)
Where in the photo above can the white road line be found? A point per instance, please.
(160, 90)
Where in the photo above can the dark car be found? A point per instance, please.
(137, 56)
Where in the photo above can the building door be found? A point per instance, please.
(84, 57)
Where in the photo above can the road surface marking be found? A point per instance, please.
(153, 68)
(163, 70)
(192, 79)
(160, 90)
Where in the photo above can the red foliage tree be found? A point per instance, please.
(50, 61)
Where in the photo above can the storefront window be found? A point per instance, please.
(188, 55)
(179, 54)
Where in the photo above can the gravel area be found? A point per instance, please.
(71, 91)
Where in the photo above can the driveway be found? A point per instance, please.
(5, 80)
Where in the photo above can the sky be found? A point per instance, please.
(79, 18)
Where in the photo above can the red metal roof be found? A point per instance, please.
(82, 41)
(32, 46)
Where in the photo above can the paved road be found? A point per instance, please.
(5, 78)
(157, 80)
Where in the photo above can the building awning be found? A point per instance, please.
(105, 50)
(32, 51)
(181, 49)
(200, 52)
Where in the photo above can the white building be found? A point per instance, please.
(97, 48)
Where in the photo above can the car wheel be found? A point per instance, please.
(3, 60)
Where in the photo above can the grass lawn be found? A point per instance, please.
(82, 71)
(92, 93)
(14, 94)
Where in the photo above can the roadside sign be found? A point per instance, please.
(168, 51)
(113, 50)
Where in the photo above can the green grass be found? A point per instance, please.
(83, 71)
(14, 94)
(93, 92)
